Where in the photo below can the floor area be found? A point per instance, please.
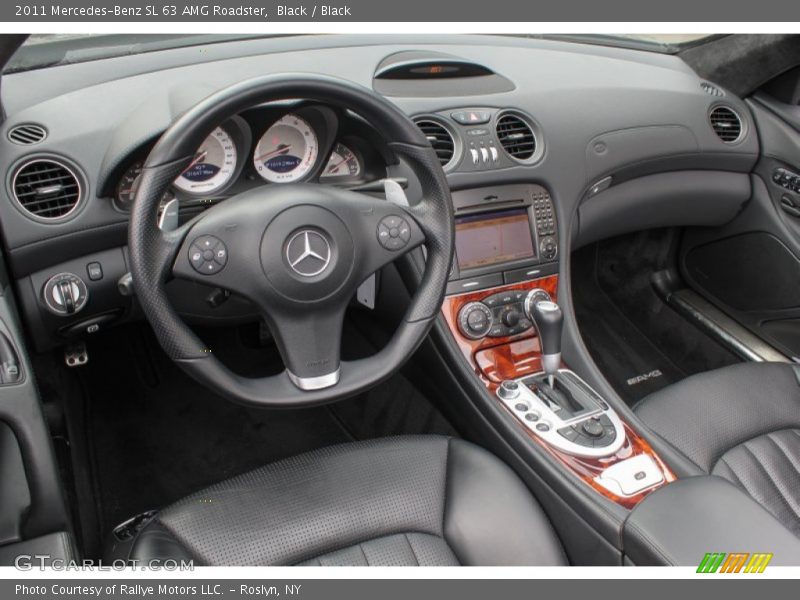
(639, 343)
(140, 434)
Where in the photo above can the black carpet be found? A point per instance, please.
(143, 434)
(639, 343)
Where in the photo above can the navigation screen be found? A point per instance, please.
(491, 238)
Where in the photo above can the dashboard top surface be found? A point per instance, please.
(598, 110)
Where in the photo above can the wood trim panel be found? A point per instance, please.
(507, 351)
(509, 360)
(495, 359)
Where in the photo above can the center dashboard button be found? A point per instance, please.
(471, 117)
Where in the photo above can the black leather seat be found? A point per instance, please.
(423, 500)
(741, 423)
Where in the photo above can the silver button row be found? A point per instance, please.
(482, 154)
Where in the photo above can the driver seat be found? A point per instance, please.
(417, 500)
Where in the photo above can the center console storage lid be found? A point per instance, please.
(679, 523)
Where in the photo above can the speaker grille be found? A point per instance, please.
(711, 89)
(27, 135)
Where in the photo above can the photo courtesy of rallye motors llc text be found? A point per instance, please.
(144, 591)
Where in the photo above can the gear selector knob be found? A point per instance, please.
(549, 322)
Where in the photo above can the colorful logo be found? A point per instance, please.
(736, 562)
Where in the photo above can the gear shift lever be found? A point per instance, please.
(548, 319)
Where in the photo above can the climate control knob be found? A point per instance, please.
(65, 294)
(475, 320)
(511, 317)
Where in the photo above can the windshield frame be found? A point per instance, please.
(627, 41)
(72, 49)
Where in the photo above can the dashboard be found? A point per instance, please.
(545, 144)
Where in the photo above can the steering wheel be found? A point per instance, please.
(297, 252)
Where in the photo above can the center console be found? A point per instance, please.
(501, 308)
(502, 311)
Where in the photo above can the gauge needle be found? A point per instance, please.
(200, 156)
(277, 150)
(336, 166)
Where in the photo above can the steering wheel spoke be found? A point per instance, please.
(309, 343)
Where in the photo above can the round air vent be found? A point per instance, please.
(27, 135)
(46, 188)
(711, 89)
(442, 140)
(726, 124)
(516, 136)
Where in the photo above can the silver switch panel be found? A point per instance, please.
(549, 423)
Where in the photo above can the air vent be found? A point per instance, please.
(726, 124)
(711, 89)
(46, 189)
(27, 135)
(516, 136)
(441, 139)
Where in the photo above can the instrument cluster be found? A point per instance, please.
(269, 145)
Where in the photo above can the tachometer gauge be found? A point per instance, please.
(342, 163)
(129, 184)
(287, 151)
(212, 167)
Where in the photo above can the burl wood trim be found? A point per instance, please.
(507, 357)
(496, 359)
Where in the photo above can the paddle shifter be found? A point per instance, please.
(548, 320)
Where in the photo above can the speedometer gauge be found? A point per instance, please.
(342, 163)
(287, 151)
(212, 167)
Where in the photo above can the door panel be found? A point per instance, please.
(751, 267)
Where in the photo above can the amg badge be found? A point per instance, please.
(644, 377)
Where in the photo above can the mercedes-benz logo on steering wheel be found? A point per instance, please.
(308, 252)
